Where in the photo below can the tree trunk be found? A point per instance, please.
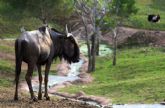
(97, 46)
(43, 14)
(88, 44)
(89, 54)
(97, 40)
(114, 46)
(93, 51)
(44, 21)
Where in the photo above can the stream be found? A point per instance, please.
(139, 106)
(55, 79)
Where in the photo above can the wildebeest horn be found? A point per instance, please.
(67, 33)
(66, 30)
(22, 29)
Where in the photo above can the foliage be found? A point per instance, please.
(42, 9)
(118, 11)
(123, 8)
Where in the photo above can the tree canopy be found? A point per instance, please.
(45, 10)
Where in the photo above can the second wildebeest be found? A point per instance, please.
(40, 47)
(153, 18)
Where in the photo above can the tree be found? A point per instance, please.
(45, 10)
(91, 12)
(120, 9)
(100, 13)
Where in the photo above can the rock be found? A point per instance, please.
(79, 94)
(84, 67)
(63, 69)
(56, 87)
(68, 83)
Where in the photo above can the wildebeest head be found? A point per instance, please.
(70, 50)
(65, 46)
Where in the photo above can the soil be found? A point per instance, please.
(6, 101)
(125, 32)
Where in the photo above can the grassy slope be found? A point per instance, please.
(146, 7)
(6, 65)
(138, 77)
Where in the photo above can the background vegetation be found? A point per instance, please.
(12, 19)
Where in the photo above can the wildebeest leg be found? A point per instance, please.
(17, 74)
(46, 80)
(40, 83)
(28, 80)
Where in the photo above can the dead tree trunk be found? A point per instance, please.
(114, 46)
(88, 44)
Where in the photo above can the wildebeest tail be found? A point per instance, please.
(18, 59)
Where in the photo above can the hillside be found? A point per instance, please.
(12, 21)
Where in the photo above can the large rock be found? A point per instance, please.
(63, 69)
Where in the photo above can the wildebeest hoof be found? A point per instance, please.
(34, 99)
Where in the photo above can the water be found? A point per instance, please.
(74, 68)
(55, 79)
(103, 50)
(139, 106)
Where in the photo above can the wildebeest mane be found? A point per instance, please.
(42, 29)
(59, 39)
(54, 33)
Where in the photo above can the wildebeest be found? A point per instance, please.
(153, 18)
(40, 47)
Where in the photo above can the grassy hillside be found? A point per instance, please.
(146, 7)
(138, 77)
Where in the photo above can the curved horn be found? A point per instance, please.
(66, 30)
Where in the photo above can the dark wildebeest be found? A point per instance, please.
(40, 47)
(153, 18)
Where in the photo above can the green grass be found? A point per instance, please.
(146, 7)
(138, 77)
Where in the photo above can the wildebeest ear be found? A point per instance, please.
(42, 29)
